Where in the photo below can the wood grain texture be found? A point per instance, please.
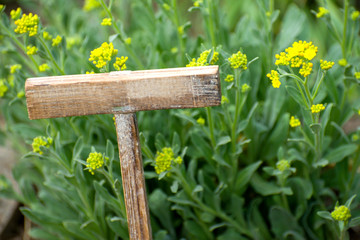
(132, 174)
(122, 92)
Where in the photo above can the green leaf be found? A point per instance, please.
(222, 141)
(325, 214)
(321, 163)
(351, 199)
(263, 187)
(245, 175)
(315, 128)
(195, 231)
(354, 222)
(282, 221)
(294, 93)
(340, 153)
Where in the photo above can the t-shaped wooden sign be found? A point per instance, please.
(123, 94)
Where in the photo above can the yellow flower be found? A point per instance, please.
(120, 63)
(127, 41)
(359, 112)
(14, 68)
(94, 161)
(91, 4)
(47, 36)
(56, 41)
(2, 6)
(355, 137)
(27, 23)
(326, 65)
(322, 12)
(355, 15)
(102, 55)
(31, 50)
(282, 59)
(238, 60)
(3, 88)
(357, 75)
(229, 78)
(317, 108)
(92, 72)
(215, 58)
(296, 62)
(275, 79)
(282, 165)
(294, 122)
(41, 142)
(342, 62)
(201, 121)
(166, 7)
(341, 213)
(164, 160)
(174, 50)
(181, 30)
(15, 14)
(306, 69)
(20, 94)
(224, 100)
(245, 88)
(203, 59)
(43, 67)
(72, 41)
(106, 22)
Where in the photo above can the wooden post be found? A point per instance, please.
(122, 94)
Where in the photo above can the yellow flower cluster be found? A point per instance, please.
(357, 75)
(92, 72)
(2, 6)
(120, 63)
(197, 3)
(15, 14)
(106, 22)
(317, 108)
(47, 36)
(326, 65)
(341, 213)
(342, 62)
(3, 88)
(203, 59)
(224, 99)
(238, 60)
(31, 50)
(91, 4)
(102, 55)
(201, 121)
(43, 67)
(245, 88)
(306, 69)
(127, 41)
(164, 160)
(14, 68)
(41, 142)
(94, 161)
(294, 122)
(20, 94)
(56, 41)
(355, 15)
(282, 165)
(229, 78)
(275, 79)
(322, 12)
(27, 23)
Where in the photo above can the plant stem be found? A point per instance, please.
(343, 43)
(211, 23)
(176, 20)
(318, 87)
(52, 59)
(211, 126)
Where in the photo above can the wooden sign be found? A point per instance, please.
(122, 94)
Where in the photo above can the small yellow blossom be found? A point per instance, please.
(11, 80)
(342, 62)
(3, 88)
(27, 23)
(181, 30)
(355, 15)
(355, 137)
(359, 112)
(238, 60)
(174, 50)
(294, 122)
(317, 108)
(41, 141)
(102, 55)
(164, 160)
(31, 50)
(341, 213)
(127, 41)
(322, 12)
(224, 99)
(20, 94)
(306, 69)
(166, 6)
(94, 161)
(203, 59)
(282, 59)
(201, 121)
(106, 22)
(2, 6)
(283, 165)
(296, 62)
(56, 41)
(215, 58)
(357, 75)
(43, 67)
(91, 4)
(47, 36)
(275, 79)
(120, 63)
(326, 65)
(15, 14)
(245, 88)
(14, 68)
(229, 78)
(72, 41)
(92, 72)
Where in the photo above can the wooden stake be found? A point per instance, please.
(133, 177)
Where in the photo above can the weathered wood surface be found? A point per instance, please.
(122, 92)
(132, 174)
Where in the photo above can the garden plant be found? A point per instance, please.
(277, 159)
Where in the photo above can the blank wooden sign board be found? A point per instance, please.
(123, 94)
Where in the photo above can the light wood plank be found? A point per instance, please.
(122, 92)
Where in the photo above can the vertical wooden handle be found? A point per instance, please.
(132, 173)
